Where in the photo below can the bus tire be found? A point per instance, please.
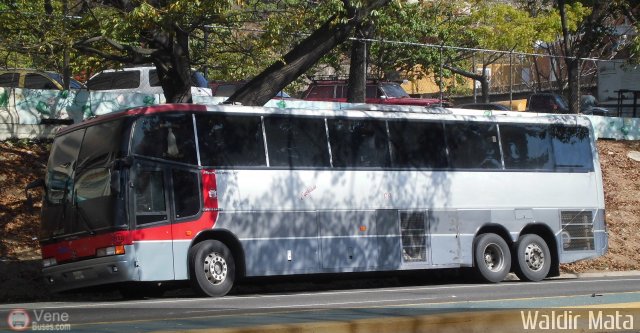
(492, 257)
(211, 268)
(533, 259)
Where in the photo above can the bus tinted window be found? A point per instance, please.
(571, 147)
(297, 142)
(418, 145)
(359, 143)
(62, 162)
(473, 145)
(526, 147)
(186, 193)
(101, 145)
(230, 141)
(149, 196)
(169, 137)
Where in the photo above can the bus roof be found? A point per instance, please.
(359, 111)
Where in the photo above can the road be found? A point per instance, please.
(286, 307)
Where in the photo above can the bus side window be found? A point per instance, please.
(230, 141)
(473, 145)
(526, 147)
(359, 143)
(168, 137)
(571, 147)
(297, 142)
(418, 144)
(186, 193)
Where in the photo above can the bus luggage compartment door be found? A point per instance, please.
(348, 239)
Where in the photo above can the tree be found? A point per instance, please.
(303, 56)
(32, 34)
(151, 31)
(587, 29)
(491, 26)
(410, 23)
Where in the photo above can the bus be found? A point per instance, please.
(212, 194)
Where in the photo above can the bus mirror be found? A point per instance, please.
(115, 181)
(34, 184)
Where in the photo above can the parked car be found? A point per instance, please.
(227, 88)
(547, 103)
(377, 92)
(484, 106)
(142, 80)
(35, 79)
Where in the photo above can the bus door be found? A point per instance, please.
(186, 217)
(152, 222)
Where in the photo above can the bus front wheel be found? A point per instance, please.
(211, 268)
(533, 259)
(492, 257)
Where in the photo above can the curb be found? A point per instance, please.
(574, 319)
(597, 274)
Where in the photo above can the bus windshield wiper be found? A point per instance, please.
(83, 217)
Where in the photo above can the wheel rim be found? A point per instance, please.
(215, 268)
(534, 257)
(493, 257)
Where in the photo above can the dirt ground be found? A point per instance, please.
(22, 161)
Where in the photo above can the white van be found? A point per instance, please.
(143, 80)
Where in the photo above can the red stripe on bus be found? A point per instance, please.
(68, 250)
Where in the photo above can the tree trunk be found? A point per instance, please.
(484, 84)
(267, 84)
(173, 65)
(574, 90)
(357, 87)
(570, 61)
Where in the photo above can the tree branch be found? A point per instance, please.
(135, 55)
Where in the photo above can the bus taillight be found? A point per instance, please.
(110, 251)
(210, 190)
(46, 262)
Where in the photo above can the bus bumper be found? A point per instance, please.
(91, 272)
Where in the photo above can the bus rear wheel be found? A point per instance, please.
(211, 268)
(492, 257)
(533, 259)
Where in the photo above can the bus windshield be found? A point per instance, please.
(81, 196)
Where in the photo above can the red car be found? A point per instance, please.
(378, 92)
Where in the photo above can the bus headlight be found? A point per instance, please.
(110, 251)
(46, 262)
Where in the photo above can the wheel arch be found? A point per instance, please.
(231, 241)
(547, 235)
(495, 229)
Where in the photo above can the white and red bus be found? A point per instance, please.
(210, 194)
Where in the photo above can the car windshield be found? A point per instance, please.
(393, 90)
